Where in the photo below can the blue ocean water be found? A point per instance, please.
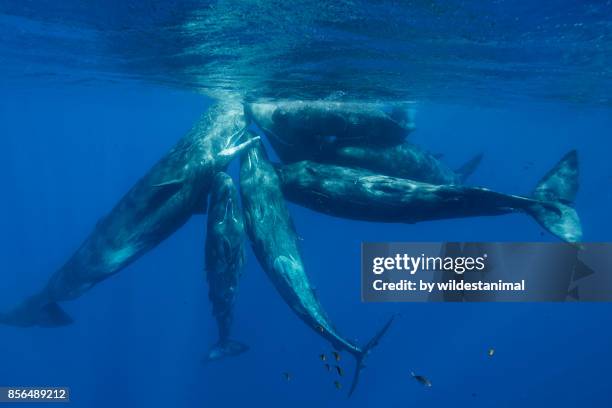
(95, 92)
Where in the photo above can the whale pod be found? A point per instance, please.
(365, 135)
(224, 261)
(363, 195)
(275, 244)
(155, 207)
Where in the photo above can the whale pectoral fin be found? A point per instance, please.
(230, 152)
(469, 167)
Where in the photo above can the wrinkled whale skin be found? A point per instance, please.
(404, 161)
(300, 130)
(275, 243)
(156, 206)
(362, 195)
(225, 257)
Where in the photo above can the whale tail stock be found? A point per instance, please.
(361, 355)
(554, 195)
(36, 311)
(227, 348)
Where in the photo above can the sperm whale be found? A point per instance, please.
(224, 261)
(275, 244)
(155, 207)
(362, 195)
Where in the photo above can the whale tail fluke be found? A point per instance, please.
(554, 195)
(561, 182)
(228, 348)
(361, 356)
(469, 167)
(36, 312)
(559, 219)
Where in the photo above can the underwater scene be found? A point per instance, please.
(187, 185)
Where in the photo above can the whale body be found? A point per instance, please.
(275, 244)
(355, 134)
(224, 261)
(298, 130)
(362, 195)
(155, 207)
(405, 160)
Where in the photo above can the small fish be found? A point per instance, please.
(491, 352)
(423, 380)
(327, 367)
(322, 357)
(336, 355)
(340, 371)
(321, 329)
(338, 385)
(287, 376)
